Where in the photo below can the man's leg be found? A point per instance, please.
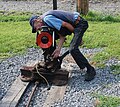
(79, 57)
(75, 52)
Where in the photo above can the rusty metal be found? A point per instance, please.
(60, 77)
(32, 93)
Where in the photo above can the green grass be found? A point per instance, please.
(15, 16)
(107, 101)
(115, 69)
(24, 16)
(95, 16)
(104, 35)
(16, 36)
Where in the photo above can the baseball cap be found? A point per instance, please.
(31, 21)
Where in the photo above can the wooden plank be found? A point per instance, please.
(14, 93)
(56, 93)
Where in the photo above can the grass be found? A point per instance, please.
(115, 69)
(16, 36)
(95, 16)
(104, 35)
(15, 16)
(106, 101)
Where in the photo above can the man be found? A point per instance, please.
(65, 23)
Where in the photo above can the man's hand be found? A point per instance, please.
(56, 53)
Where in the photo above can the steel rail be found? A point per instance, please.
(32, 93)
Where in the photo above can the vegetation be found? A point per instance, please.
(16, 36)
(24, 16)
(115, 69)
(94, 16)
(106, 101)
(15, 16)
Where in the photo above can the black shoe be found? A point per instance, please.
(90, 74)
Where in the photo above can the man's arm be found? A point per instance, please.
(68, 26)
(56, 53)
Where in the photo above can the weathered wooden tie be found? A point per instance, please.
(14, 94)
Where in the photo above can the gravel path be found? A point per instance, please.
(111, 7)
(78, 92)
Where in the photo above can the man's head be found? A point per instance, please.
(36, 23)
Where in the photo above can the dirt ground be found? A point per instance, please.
(104, 6)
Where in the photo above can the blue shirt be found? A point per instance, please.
(53, 22)
(55, 18)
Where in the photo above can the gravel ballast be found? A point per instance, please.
(78, 92)
(104, 6)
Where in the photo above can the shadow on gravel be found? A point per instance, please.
(80, 92)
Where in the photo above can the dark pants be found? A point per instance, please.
(80, 28)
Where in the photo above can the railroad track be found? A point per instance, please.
(18, 89)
